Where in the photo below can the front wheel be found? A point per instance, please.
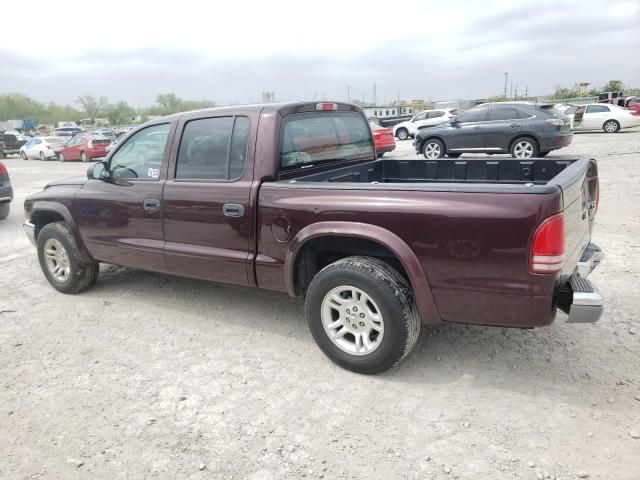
(433, 149)
(4, 210)
(611, 126)
(524, 148)
(402, 134)
(362, 314)
(61, 261)
(23, 154)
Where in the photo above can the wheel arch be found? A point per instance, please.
(368, 237)
(433, 137)
(44, 213)
(521, 135)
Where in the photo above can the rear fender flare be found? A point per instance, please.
(417, 278)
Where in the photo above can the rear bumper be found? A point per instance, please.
(578, 297)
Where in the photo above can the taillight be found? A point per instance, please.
(326, 106)
(547, 246)
(3, 169)
(555, 121)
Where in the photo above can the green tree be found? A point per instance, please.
(562, 93)
(613, 86)
(119, 113)
(168, 103)
(93, 107)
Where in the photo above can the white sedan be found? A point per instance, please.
(428, 118)
(41, 147)
(601, 116)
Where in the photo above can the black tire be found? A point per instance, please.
(611, 126)
(61, 157)
(402, 134)
(394, 299)
(433, 143)
(517, 146)
(453, 155)
(42, 157)
(82, 275)
(4, 210)
(83, 157)
(24, 155)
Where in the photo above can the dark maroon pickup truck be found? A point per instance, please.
(292, 198)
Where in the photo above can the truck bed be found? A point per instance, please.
(468, 170)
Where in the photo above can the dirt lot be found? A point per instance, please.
(149, 376)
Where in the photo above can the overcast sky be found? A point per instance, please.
(233, 51)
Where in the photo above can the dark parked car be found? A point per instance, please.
(9, 144)
(525, 130)
(291, 198)
(6, 192)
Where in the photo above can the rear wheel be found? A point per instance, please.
(402, 134)
(524, 148)
(362, 315)
(433, 149)
(4, 210)
(611, 126)
(42, 157)
(61, 261)
(83, 157)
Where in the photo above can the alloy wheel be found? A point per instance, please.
(523, 150)
(57, 260)
(432, 151)
(352, 320)
(611, 127)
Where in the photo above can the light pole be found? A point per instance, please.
(506, 74)
(348, 93)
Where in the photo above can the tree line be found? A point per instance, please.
(20, 106)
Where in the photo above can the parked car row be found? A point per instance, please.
(85, 147)
(424, 119)
(523, 129)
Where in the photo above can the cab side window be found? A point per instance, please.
(140, 156)
(213, 149)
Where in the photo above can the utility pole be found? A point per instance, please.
(510, 89)
(526, 92)
(348, 93)
(506, 74)
(516, 93)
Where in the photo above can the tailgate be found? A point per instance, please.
(580, 191)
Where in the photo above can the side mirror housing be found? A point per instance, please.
(98, 171)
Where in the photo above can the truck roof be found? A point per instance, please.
(284, 108)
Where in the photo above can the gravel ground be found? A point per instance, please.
(149, 376)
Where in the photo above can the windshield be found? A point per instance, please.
(309, 139)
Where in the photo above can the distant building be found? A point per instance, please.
(582, 88)
(388, 115)
(268, 97)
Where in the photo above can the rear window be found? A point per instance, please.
(315, 138)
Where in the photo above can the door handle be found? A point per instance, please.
(514, 125)
(233, 210)
(151, 204)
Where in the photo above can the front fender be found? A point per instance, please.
(44, 206)
(417, 278)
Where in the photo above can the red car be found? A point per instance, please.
(83, 147)
(383, 139)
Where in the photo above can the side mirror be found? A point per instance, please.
(98, 171)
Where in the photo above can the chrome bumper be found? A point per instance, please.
(587, 303)
(30, 231)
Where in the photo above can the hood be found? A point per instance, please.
(79, 180)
